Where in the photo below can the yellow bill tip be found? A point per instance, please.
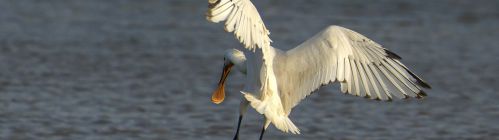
(218, 96)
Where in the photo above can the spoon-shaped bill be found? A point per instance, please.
(219, 94)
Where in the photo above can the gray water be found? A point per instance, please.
(130, 70)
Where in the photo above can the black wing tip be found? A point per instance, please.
(423, 84)
(406, 97)
(419, 81)
(367, 96)
(385, 100)
(392, 55)
(421, 94)
(212, 5)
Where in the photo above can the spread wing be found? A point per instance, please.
(241, 18)
(362, 67)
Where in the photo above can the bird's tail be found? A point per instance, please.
(280, 120)
(284, 124)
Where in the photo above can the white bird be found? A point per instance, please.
(276, 80)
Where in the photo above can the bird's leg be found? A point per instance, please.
(236, 137)
(243, 106)
(261, 133)
(265, 125)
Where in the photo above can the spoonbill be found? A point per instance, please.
(277, 80)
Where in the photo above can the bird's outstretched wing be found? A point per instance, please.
(362, 66)
(241, 18)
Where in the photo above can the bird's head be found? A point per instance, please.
(232, 58)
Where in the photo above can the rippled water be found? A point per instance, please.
(123, 69)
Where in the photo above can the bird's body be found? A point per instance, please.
(261, 91)
(276, 80)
